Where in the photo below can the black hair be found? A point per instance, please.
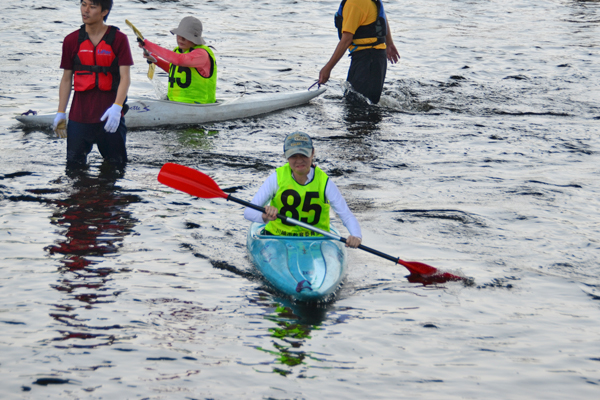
(104, 5)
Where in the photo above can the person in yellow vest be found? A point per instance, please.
(364, 31)
(302, 191)
(192, 67)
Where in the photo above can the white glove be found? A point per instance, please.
(59, 126)
(59, 117)
(114, 118)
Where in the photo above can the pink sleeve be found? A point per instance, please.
(198, 58)
(162, 64)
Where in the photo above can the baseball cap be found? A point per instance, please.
(190, 28)
(297, 143)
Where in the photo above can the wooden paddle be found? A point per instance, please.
(151, 66)
(198, 184)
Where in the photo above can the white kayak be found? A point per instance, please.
(147, 112)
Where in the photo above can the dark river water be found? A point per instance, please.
(482, 158)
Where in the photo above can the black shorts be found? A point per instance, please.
(367, 73)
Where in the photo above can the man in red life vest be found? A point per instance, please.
(96, 61)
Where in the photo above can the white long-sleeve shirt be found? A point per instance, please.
(269, 188)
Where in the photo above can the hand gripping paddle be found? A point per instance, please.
(151, 66)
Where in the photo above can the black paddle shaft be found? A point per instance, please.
(282, 217)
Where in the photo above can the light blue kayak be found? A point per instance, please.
(308, 269)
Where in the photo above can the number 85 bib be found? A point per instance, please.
(305, 203)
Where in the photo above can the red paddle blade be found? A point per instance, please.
(419, 268)
(426, 274)
(190, 181)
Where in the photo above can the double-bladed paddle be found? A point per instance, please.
(199, 184)
(151, 65)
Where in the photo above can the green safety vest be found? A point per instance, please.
(305, 203)
(186, 85)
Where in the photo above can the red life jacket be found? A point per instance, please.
(96, 66)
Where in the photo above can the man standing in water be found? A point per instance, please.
(96, 61)
(363, 29)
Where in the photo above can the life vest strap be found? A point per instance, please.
(109, 37)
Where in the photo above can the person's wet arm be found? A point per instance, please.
(339, 51)
(64, 90)
(124, 71)
(339, 205)
(390, 50)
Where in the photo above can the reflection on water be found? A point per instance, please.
(361, 119)
(93, 222)
(198, 138)
(294, 324)
(491, 113)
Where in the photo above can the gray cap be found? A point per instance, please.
(190, 28)
(297, 143)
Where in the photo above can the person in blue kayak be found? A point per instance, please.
(96, 60)
(192, 67)
(302, 191)
(364, 31)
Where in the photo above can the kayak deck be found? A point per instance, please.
(308, 269)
